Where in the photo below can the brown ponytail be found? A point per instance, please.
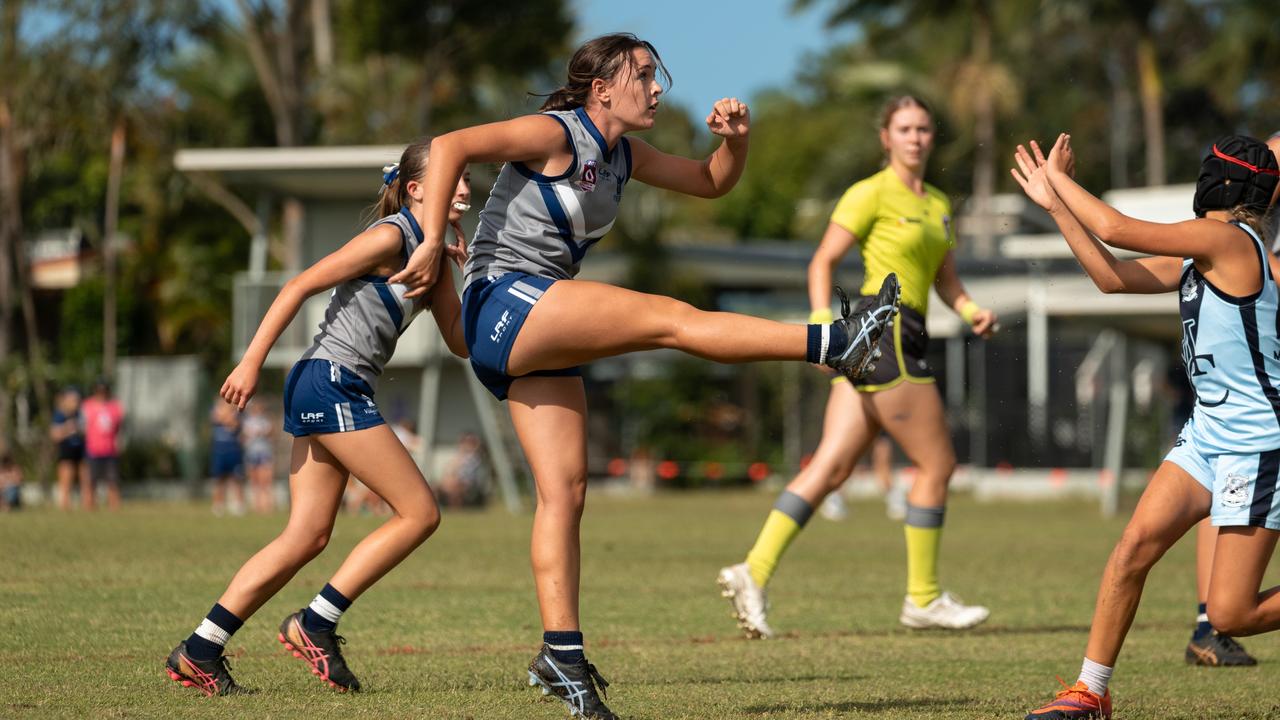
(395, 178)
(600, 58)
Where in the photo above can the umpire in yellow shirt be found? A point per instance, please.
(900, 224)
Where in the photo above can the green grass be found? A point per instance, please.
(90, 605)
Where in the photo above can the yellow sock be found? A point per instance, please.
(789, 515)
(924, 539)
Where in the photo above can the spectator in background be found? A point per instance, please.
(226, 462)
(10, 483)
(466, 482)
(67, 431)
(259, 457)
(102, 417)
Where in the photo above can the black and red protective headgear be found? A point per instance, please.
(1239, 170)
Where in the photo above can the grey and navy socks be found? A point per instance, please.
(325, 610)
(1203, 626)
(565, 645)
(825, 341)
(211, 636)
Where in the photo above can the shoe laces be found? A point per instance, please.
(598, 679)
(223, 671)
(1228, 643)
(1078, 689)
(844, 301)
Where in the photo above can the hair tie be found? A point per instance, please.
(390, 173)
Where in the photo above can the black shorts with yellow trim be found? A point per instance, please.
(903, 355)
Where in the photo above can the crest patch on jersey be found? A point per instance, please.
(1190, 289)
(588, 181)
(1236, 492)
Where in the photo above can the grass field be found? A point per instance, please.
(90, 605)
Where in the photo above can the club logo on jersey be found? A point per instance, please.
(588, 181)
(1190, 288)
(500, 327)
(1236, 492)
(1198, 365)
(312, 417)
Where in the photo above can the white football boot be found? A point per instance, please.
(946, 611)
(750, 605)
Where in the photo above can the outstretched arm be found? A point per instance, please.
(1209, 241)
(1142, 276)
(360, 256)
(531, 139)
(709, 178)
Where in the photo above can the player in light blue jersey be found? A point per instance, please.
(530, 325)
(338, 431)
(1226, 463)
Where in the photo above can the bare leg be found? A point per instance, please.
(882, 463)
(66, 474)
(1172, 503)
(1235, 606)
(913, 415)
(219, 494)
(846, 432)
(379, 459)
(637, 321)
(1206, 540)
(315, 483)
(88, 487)
(550, 417)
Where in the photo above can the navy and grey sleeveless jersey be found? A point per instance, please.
(542, 225)
(1231, 351)
(366, 315)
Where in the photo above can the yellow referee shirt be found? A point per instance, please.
(898, 231)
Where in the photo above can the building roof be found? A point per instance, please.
(303, 172)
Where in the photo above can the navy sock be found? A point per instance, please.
(324, 611)
(839, 341)
(565, 645)
(1203, 628)
(207, 642)
(825, 342)
(813, 348)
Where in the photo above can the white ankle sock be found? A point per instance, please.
(1096, 676)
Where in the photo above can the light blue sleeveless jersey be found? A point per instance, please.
(542, 224)
(1231, 352)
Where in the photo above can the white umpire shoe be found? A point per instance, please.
(834, 507)
(946, 611)
(750, 605)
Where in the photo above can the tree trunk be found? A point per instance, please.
(114, 171)
(10, 208)
(10, 235)
(322, 35)
(984, 135)
(1151, 89)
(1121, 115)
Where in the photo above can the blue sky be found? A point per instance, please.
(716, 48)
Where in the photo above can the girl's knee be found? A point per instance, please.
(1231, 618)
(568, 495)
(1138, 550)
(306, 543)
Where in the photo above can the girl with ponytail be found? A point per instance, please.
(529, 325)
(338, 430)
